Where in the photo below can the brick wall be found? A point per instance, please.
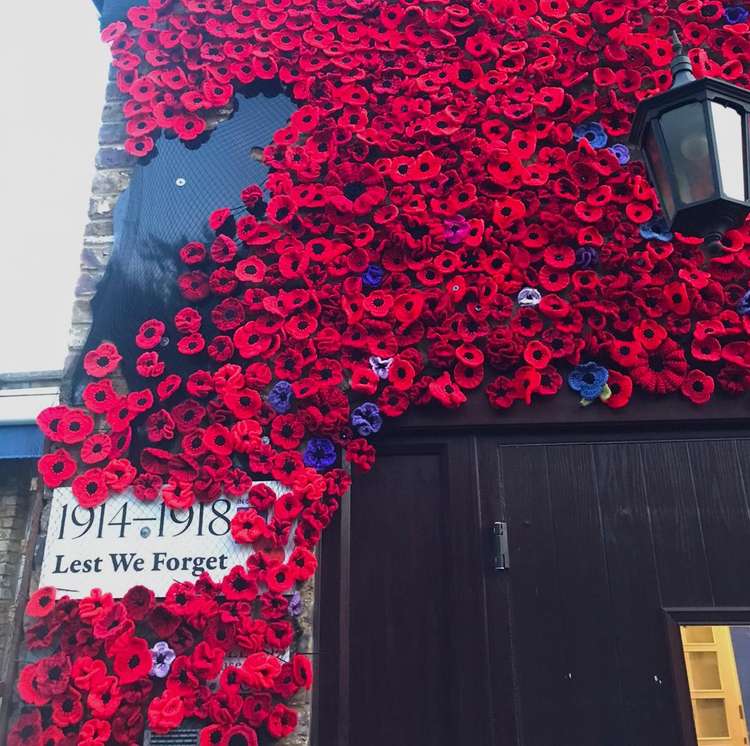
(16, 496)
(19, 513)
(113, 170)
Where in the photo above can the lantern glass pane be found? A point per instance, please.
(686, 137)
(659, 171)
(729, 149)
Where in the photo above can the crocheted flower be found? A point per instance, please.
(373, 276)
(320, 453)
(529, 297)
(588, 379)
(295, 604)
(743, 304)
(655, 229)
(456, 229)
(41, 602)
(366, 419)
(381, 366)
(280, 397)
(593, 132)
(161, 656)
(586, 257)
(621, 152)
(735, 14)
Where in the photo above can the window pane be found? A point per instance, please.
(711, 718)
(717, 662)
(729, 146)
(705, 669)
(686, 138)
(660, 173)
(697, 635)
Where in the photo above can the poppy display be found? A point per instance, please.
(451, 208)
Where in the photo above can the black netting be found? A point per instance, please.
(166, 205)
(115, 10)
(183, 183)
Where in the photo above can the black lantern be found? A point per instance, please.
(694, 141)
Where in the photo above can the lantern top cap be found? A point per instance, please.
(682, 68)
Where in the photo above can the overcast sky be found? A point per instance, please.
(53, 70)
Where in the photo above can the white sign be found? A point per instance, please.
(125, 542)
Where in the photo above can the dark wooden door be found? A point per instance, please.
(422, 643)
(403, 639)
(603, 536)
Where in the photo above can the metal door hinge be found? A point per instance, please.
(500, 555)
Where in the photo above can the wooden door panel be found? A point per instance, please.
(678, 541)
(716, 467)
(413, 661)
(503, 685)
(602, 537)
(587, 627)
(399, 627)
(648, 710)
(536, 604)
(564, 643)
(431, 647)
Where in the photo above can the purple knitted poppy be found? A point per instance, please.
(366, 419)
(320, 453)
(381, 365)
(161, 659)
(586, 256)
(456, 229)
(295, 604)
(280, 397)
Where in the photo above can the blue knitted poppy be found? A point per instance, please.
(588, 379)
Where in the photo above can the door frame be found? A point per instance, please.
(676, 617)
(430, 427)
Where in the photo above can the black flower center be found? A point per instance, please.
(239, 584)
(657, 363)
(354, 189)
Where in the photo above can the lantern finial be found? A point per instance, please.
(682, 68)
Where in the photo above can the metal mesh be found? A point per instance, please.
(115, 10)
(183, 183)
(166, 205)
